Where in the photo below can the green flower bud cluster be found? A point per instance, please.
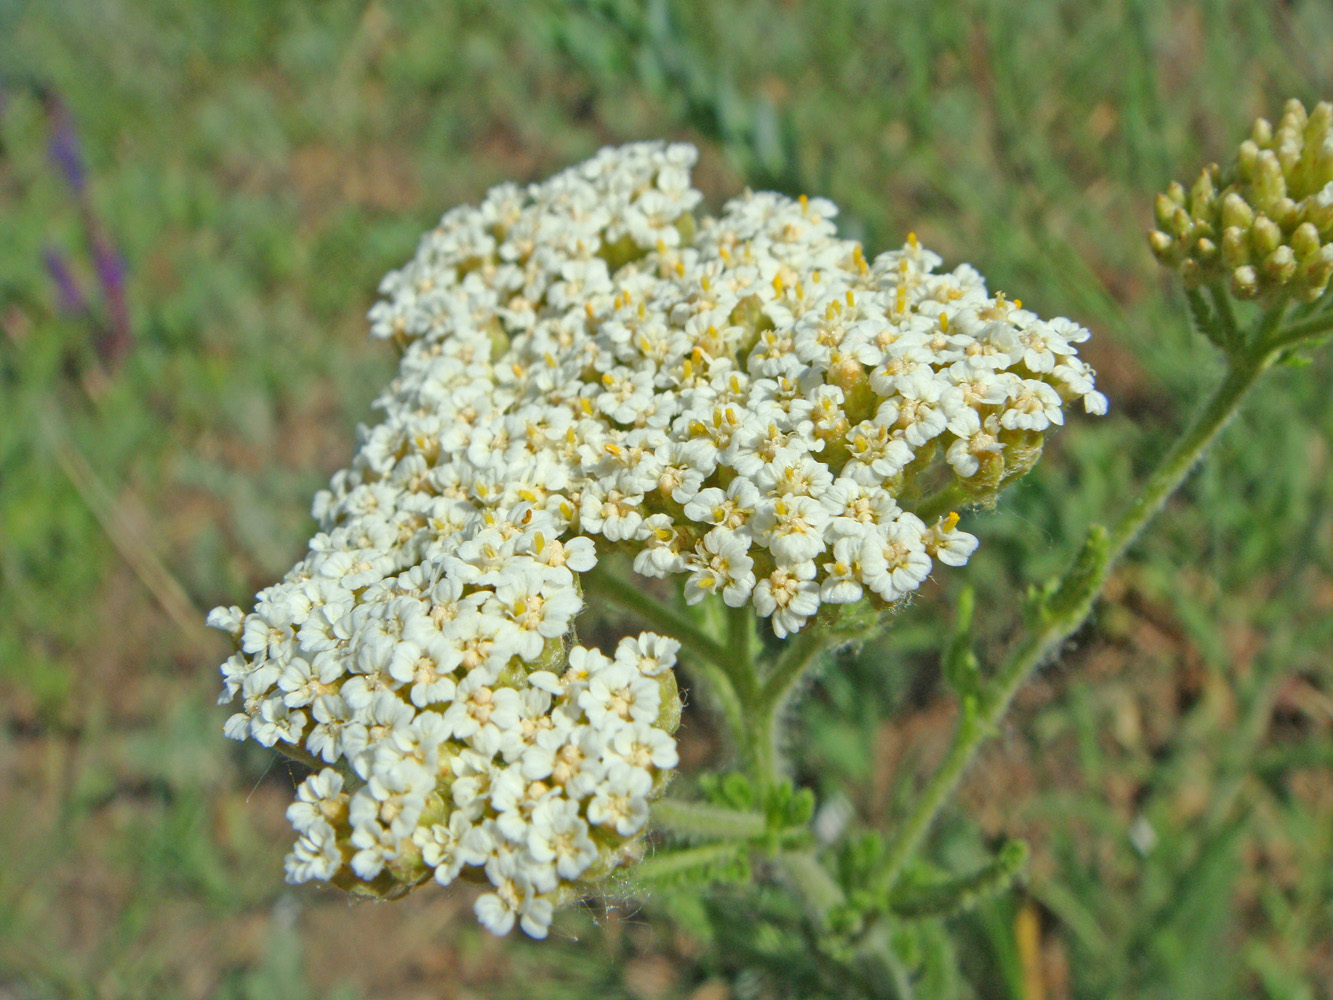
(1264, 226)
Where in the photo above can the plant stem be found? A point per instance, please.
(812, 883)
(907, 838)
(1225, 316)
(770, 701)
(702, 821)
(1176, 465)
(673, 864)
(625, 595)
(709, 662)
(940, 503)
(1077, 592)
(1312, 327)
(298, 753)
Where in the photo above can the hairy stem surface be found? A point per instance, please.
(1073, 601)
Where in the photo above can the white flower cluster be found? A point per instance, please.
(464, 747)
(741, 401)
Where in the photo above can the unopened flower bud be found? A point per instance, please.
(1245, 282)
(1269, 183)
(1305, 240)
(1265, 236)
(1284, 212)
(1235, 246)
(1279, 265)
(1247, 159)
(1203, 194)
(1235, 211)
(1162, 244)
(1164, 211)
(1277, 193)
(1313, 273)
(1319, 209)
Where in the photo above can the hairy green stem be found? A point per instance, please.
(962, 892)
(1312, 327)
(670, 865)
(770, 702)
(298, 753)
(811, 882)
(935, 506)
(1201, 313)
(1225, 316)
(703, 821)
(740, 640)
(1072, 602)
(625, 595)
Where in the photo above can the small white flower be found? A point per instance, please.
(792, 528)
(905, 563)
(1035, 407)
(620, 800)
(559, 834)
(788, 596)
(320, 798)
(643, 746)
(946, 543)
(316, 854)
(648, 653)
(277, 722)
(375, 847)
(620, 694)
(721, 563)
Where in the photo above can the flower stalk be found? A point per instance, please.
(1073, 595)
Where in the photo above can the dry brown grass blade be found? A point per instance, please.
(123, 532)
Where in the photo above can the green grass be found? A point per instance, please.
(261, 164)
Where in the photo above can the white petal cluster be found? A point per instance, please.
(744, 403)
(454, 744)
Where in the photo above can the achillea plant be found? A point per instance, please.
(599, 386)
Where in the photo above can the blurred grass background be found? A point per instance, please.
(196, 203)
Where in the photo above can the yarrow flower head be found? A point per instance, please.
(744, 404)
(1264, 225)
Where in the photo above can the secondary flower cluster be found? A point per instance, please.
(744, 403)
(1265, 225)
